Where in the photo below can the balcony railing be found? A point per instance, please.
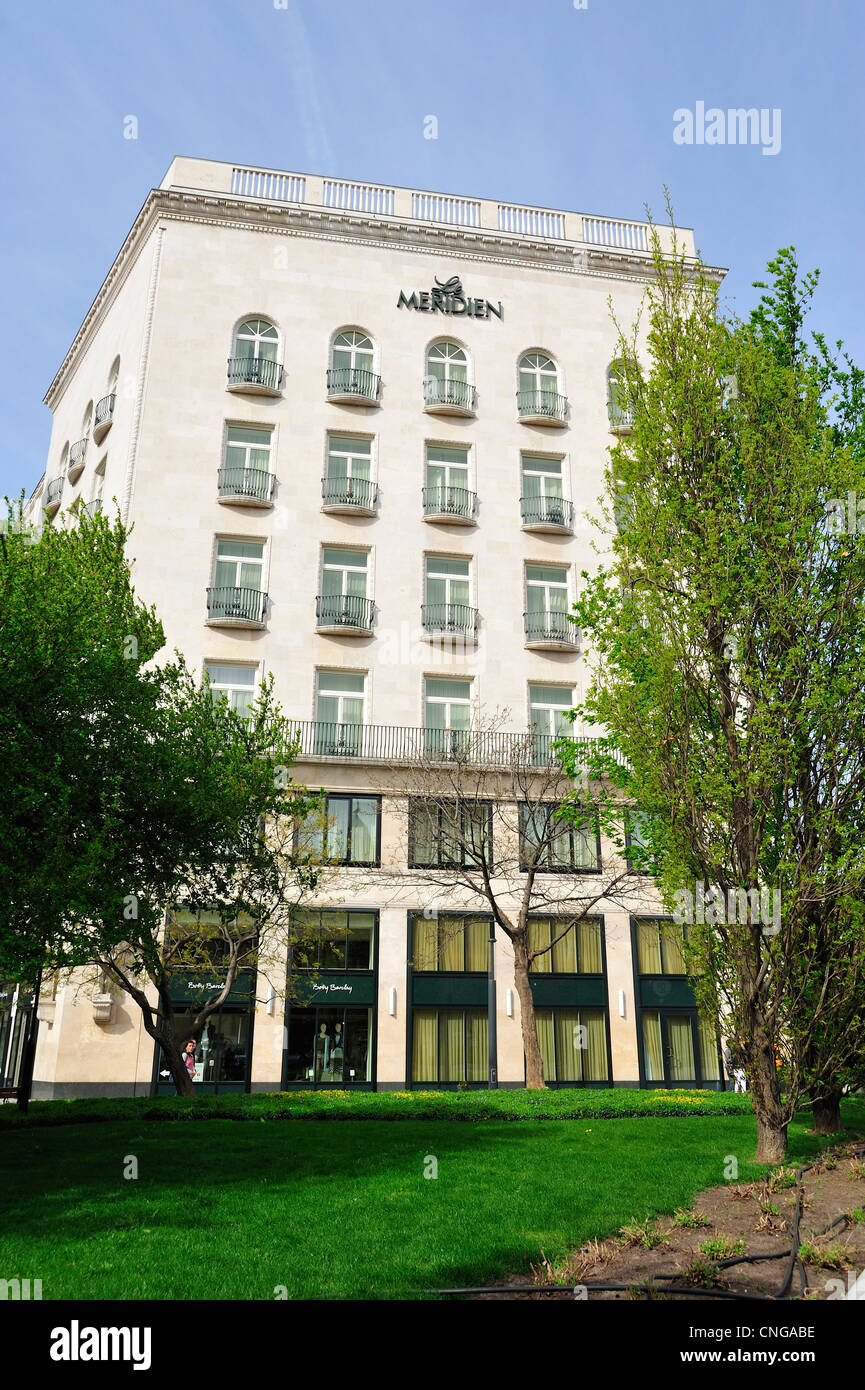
(344, 611)
(351, 493)
(53, 493)
(457, 396)
(621, 416)
(550, 626)
(103, 416)
(546, 407)
(391, 743)
(246, 484)
(354, 382)
(257, 372)
(553, 512)
(77, 455)
(449, 502)
(91, 508)
(238, 606)
(456, 618)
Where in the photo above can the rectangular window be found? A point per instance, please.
(449, 1045)
(446, 490)
(573, 1044)
(329, 1045)
(348, 457)
(331, 940)
(660, 948)
(239, 565)
(236, 684)
(447, 715)
(551, 845)
(345, 831)
(247, 471)
(344, 573)
(548, 710)
(442, 836)
(450, 943)
(547, 604)
(567, 949)
(339, 712)
(673, 1042)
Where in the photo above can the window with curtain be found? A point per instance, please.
(442, 834)
(577, 951)
(573, 1044)
(659, 948)
(239, 565)
(331, 940)
(450, 943)
(669, 1051)
(548, 708)
(345, 831)
(449, 1045)
(553, 845)
(236, 684)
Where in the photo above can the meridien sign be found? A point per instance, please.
(446, 297)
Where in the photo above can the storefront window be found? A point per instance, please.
(221, 1047)
(329, 1045)
(573, 1044)
(449, 1045)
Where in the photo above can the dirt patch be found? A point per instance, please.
(729, 1223)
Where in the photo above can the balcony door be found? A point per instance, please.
(339, 713)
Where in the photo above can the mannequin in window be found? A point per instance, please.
(322, 1051)
(336, 1056)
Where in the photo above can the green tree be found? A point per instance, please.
(727, 623)
(132, 793)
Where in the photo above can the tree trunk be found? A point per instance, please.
(827, 1109)
(534, 1062)
(766, 1095)
(176, 1065)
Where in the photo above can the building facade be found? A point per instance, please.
(359, 431)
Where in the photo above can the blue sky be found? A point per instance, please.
(543, 104)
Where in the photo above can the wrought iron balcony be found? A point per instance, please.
(449, 397)
(550, 629)
(347, 613)
(349, 494)
(103, 416)
(77, 455)
(53, 494)
(547, 514)
(232, 606)
(255, 374)
(542, 408)
(353, 385)
(250, 485)
(620, 415)
(392, 743)
(454, 504)
(449, 619)
(91, 508)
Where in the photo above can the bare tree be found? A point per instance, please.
(492, 822)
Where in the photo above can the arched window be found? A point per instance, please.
(114, 376)
(446, 384)
(254, 362)
(86, 421)
(351, 374)
(619, 408)
(539, 395)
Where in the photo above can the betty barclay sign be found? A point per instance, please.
(447, 298)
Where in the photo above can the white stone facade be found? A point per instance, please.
(215, 247)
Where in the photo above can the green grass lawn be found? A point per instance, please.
(222, 1209)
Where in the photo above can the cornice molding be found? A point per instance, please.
(164, 205)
